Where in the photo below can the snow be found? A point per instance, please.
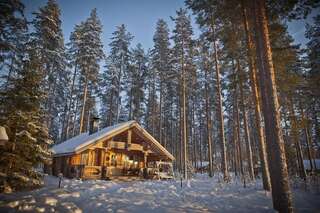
(203, 163)
(201, 194)
(306, 163)
(85, 139)
(26, 134)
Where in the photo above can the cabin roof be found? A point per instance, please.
(78, 143)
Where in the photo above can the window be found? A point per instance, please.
(84, 158)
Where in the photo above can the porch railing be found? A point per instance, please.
(92, 172)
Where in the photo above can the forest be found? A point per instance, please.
(239, 99)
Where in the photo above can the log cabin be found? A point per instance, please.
(125, 149)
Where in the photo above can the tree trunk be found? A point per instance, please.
(281, 194)
(51, 103)
(200, 143)
(118, 103)
(64, 123)
(184, 121)
(316, 125)
(65, 130)
(110, 116)
(75, 117)
(307, 137)
(256, 99)
(295, 137)
(180, 129)
(220, 111)
(153, 107)
(209, 136)
(245, 122)
(130, 104)
(239, 142)
(81, 129)
(193, 131)
(234, 136)
(160, 114)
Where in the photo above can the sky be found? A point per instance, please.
(139, 16)
(297, 28)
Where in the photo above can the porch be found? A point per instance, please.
(104, 172)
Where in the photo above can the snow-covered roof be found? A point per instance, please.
(78, 143)
(85, 139)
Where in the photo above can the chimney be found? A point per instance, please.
(94, 124)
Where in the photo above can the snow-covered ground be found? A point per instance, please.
(201, 194)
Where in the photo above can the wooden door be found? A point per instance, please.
(97, 156)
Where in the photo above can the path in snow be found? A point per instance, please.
(203, 195)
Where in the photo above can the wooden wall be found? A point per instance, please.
(75, 159)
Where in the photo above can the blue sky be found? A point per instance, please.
(140, 17)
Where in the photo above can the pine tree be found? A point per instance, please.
(161, 64)
(281, 195)
(135, 78)
(72, 97)
(112, 79)
(206, 66)
(182, 52)
(108, 87)
(23, 116)
(313, 76)
(207, 17)
(48, 40)
(151, 100)
(13, 36)
(256, 99)
(289, 82)
(90, 53)
(21, 102)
